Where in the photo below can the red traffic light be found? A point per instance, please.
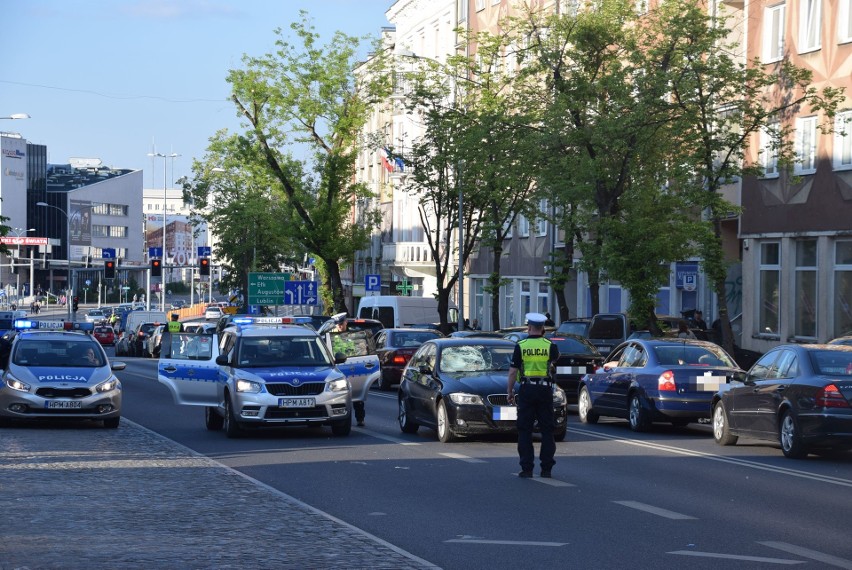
(156, 268)
(109, 269)
(204, 266)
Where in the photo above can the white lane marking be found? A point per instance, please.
(505, 542)
(736, 557)
(544, 480)
(378, 435)
(654, 510)
(808, 553)
(721, 459)
(465, 458)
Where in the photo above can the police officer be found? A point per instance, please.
(175, 325)
(534, 359)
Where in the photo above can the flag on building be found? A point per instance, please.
(384, 156)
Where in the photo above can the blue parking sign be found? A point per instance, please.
(373, 283)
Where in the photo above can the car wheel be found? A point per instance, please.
(445, 432)
(212, 419)
(342, 428)
(405, 423)
(637, 415)
(384, 383)
(721, 430)
(560, 435)
(789, 436)
(232, 427)
(584, 408)
(112, 423)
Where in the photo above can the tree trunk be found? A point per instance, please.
(335, 285)
(494, 286)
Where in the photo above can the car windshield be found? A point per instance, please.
(573, 345)
(265, 352)
(58, 353)
(475, 358)
(691, 355)
(832, 362)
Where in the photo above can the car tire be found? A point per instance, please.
(384, 383)
(721, 428)
(342, 428)
(584, 407)
(405, 422)
(560, 435)
(445, 431)
(212, 419)
(790, 437)
(637, 415)
(230, 423)
(112, 423)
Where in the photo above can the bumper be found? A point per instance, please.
(30, 406)
(827, 429)
(695, 406)
(268, 410)
(470, 420)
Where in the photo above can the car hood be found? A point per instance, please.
(289, 375)
(482, 383)
(53, 376)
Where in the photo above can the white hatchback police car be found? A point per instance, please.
(260, 372)
(55, 370)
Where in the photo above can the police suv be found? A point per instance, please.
(57, 370)
(264, 372)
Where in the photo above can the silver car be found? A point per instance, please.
(54, 374)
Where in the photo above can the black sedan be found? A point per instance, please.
(458, 387)
(799, 395)
(577, 357)
(395, 348)
(648, 380)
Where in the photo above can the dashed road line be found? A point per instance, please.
(737, 557)
(465, 458)
(808, 553)
(654, 510)
(505, 542)
(547, 481)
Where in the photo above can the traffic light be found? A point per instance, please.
(204, 266)
(109, 269)
(76, 303)
(156, 268)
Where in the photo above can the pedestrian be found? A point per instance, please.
(475, 325)
(683, 330)
(548, 321)
(700, 323)
(532, 366)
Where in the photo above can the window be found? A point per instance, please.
(773, 33)
(844, 21)
(508, 229)
(809, 32)
(480, 5)
(769, 293)
(541, 222)
(526, 298)
(569, 7)
(806, 129)
(523, 226)
(843, 140)
(543, 297)
(842, 288)
(509, 304)
(768, 151)
(806, 289)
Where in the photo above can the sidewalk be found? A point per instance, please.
(86, 497)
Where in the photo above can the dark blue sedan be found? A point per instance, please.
(656, 380)
(799, 395)
(458, 387)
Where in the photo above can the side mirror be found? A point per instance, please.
(223, 360)
(339, 358)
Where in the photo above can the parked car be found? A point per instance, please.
(608, 330)
(652, 380)
(213, 313)
(843, 340)
(152, 343)
(372, 325)
(458, 387)
(395, 348)
(104, 334)
(799, 395)
(579, 327)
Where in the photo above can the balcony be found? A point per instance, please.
(414, 255)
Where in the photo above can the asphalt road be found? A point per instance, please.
(670, 498)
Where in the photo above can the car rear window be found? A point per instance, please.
(688, 355)
(412, 339)
(607, 328)
(572, 346)
(832, 362)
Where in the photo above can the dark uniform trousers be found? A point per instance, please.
(535, 402)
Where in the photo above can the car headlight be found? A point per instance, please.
(559, 396)
(248, 386)
(462, 399)
(16, 384)
(109, 385)
(340, 385)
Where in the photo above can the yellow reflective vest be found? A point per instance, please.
(535, 355)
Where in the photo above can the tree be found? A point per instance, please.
(306, 95)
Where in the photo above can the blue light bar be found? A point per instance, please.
(29, 324)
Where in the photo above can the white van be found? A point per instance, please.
(394, 311)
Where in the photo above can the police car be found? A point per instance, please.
(57, 370)
(265, 372)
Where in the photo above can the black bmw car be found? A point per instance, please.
(457, 386)
(799, 395)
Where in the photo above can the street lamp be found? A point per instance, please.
(17, 116)
(403, 52)
(164, 274)
(70, 285)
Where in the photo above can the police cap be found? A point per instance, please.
(536, 319)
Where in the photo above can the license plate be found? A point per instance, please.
(63, 405)
(296, 402)
(504, 413)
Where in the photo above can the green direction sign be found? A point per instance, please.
(267, 288)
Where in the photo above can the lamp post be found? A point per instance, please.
(70, 285)
(18, 233)
(164, 275)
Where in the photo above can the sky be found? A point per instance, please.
(119, 79)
